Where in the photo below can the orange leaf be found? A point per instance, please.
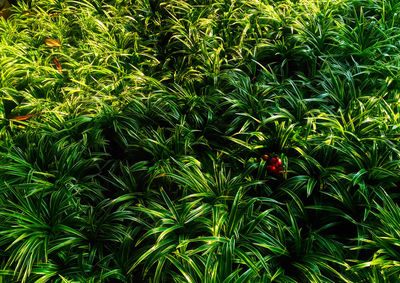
(52, 42)
(24, 117)
(57, 64)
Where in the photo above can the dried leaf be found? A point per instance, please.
(25, 117)
(22, 118)
(50, 42)
(4, 10)
(57, 64)
(4, 4)
(5, 13)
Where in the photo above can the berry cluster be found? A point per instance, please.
(274, 164)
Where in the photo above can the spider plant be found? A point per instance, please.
(199, 141)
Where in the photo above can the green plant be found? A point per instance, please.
(134, 136)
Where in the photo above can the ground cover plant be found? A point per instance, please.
(200, 141)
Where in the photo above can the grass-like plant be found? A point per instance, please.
(200, 141)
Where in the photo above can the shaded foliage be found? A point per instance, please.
(137, 145)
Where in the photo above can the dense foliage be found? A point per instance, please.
(135, 134)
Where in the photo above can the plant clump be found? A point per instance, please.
(200, 141)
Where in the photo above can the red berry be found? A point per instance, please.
(265, 157)
(279, 162)
(273, 160)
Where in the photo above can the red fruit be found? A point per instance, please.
(278, 162)
(273, 160)
(271, 169)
